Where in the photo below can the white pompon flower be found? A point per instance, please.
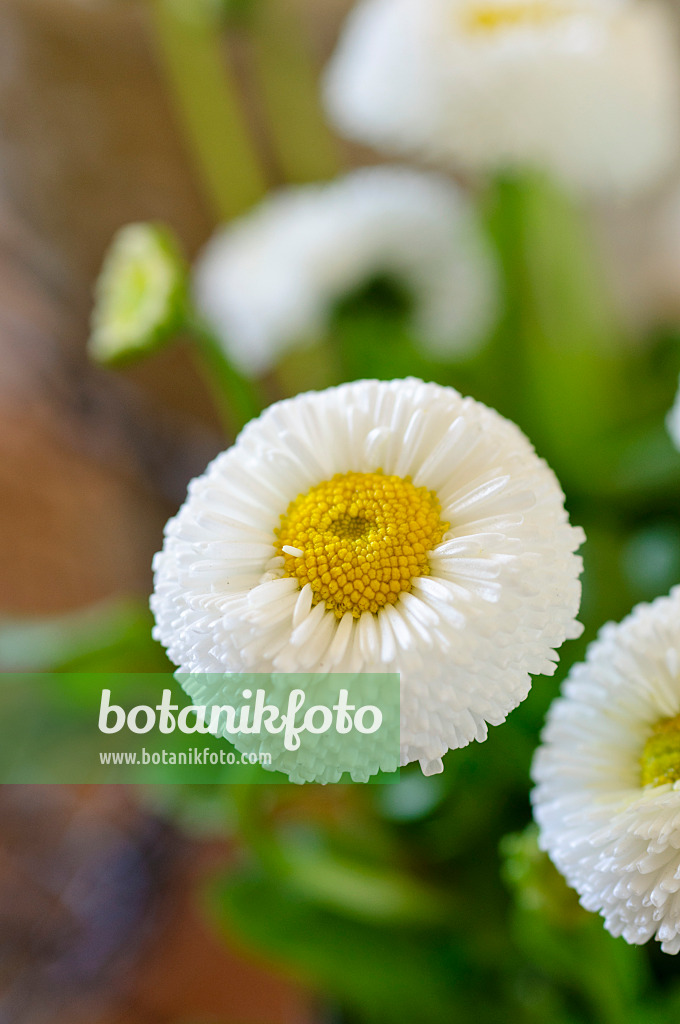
(608, 797)
(268, 282)
(585, 90)
(391, 527)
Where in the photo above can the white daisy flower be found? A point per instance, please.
(391, 527)
(586, 91)
(608, 774)
(269, 282)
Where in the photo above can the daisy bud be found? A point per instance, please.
(140, 296)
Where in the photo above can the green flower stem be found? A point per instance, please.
(237, 398)
(500, 364)
(190, 45)
(304, 146)
(557, 359)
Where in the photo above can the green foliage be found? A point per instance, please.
(114, 636)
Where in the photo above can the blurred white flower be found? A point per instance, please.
(673, 420)
(268, 282)
(608, 793)
(586, 90)
(391, 527)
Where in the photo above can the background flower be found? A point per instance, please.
(588, 92)
(269, 282)
(608, 819)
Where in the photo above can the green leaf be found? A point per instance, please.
(114, 636)
(377, 893)
(388, 976)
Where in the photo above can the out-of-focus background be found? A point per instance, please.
(100, 899)
(425, 901)
(91, 141)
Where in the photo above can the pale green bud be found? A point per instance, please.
(140, 295)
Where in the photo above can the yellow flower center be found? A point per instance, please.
(660, 759)
(360, 539)
(490, 17)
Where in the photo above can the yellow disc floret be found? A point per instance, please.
(495, 16)
(661, 757)
(360, 539)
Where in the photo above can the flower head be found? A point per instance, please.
(608, 796)
(390, 527)
(587, 91)
(270, 281)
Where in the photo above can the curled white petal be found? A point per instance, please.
(269, 282)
